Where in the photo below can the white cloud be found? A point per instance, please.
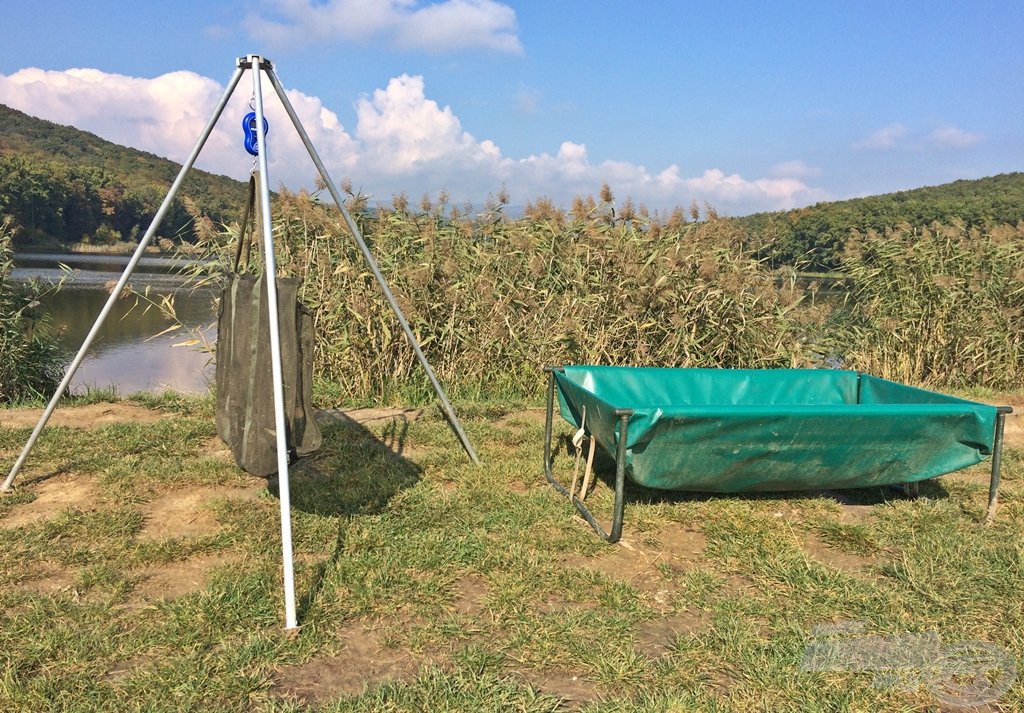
(885, 138)
(951, 137)
(165, 115)
(403, 131)
(439, 27)
(402, 142)
(794, 169)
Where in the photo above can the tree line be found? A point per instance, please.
(815, 237)
(61, 186)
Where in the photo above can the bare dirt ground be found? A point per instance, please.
(1013, 434)
(187, 513)
(53, 496)
(363, 662)
(176, 579)
(89, 416)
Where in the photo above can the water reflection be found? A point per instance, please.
(127, 353)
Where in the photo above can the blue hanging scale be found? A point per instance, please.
(249, 127)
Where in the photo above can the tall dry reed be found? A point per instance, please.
(942, 305)
(492, 301)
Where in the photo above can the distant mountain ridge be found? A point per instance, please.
(62, 185)
(816, 234)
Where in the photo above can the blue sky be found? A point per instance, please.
(747, 105)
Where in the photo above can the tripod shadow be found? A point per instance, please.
(354, 473)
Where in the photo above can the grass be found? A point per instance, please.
(444, 586)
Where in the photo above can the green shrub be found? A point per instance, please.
(31, 361)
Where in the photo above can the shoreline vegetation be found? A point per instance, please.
(494, 300)
(921, 286)
(31, 360)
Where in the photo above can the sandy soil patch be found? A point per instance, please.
(176, 579)
(638, 563)
(53, 496)
(216, 448)
(48, 579)
(186, 513)
(641, 565)
(369, 415)
(1013, 431)
(363, 663)
(572, 690)
(655, 638)
(125, 669)
(846, 562)
(469, 596)
(89, 416)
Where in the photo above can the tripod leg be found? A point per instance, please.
(270, 275)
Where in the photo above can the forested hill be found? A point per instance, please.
(61, 185)
(815, 236)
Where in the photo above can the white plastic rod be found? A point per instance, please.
(115, 294)
(374, 268)
(270, 276)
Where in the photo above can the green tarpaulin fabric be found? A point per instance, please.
(737, 430)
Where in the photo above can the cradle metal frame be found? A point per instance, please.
(623, 415)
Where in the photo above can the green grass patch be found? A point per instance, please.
(427, 583)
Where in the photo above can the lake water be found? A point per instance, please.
(127, 354)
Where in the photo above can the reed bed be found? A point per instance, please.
(30, 358)
(494, 300)
(940, 305)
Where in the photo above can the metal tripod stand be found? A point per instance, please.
(256, 64)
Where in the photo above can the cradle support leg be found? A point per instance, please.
(548, 430)
(620, 474)
(620, 468)
(997, 454)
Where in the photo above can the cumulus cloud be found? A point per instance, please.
(404, 132)
(402, 141)
(951, 137)
(438, 27)
(885, 138)
(795, 169)
(166, 114)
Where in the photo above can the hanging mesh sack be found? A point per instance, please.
(244, 383)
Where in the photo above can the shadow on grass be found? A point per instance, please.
(604, 470)
(354, 473)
